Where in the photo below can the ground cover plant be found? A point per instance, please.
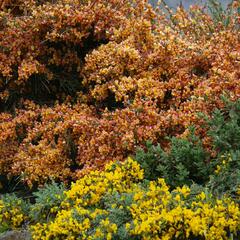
(84, 84)
(117, 203)
(122, 73)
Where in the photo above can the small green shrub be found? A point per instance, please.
(188, 162)
(47, 201)
(13, 212)
(185, 163)
(226, 177)
(224, 127)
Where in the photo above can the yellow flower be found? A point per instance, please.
(218, 169)
(178, 198)
(99, 233)
(185, 191)
(109, 236)
(202, 196)
(127, 226)
(154, 209)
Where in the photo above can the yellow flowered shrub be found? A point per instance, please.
(140, 74)
(118, 203)
(13, 212)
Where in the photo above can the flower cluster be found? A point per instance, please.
(13, 213)
(43, 43)
(123, 72)
(67, 140)
(84, 83)
(117, 204)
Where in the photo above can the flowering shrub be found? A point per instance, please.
(43, 46)
(122, 73)
(117, 204)
(13, 212)
(46, 201)
(64, 141)
(83, 83)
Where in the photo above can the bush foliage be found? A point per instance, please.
(188, 162)
(185, 163)
(86, 83)
(117, 203)
(121, 72)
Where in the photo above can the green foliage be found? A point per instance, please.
(225, 127)
(47, 198)
(226, 178)
(13, 212)
(118, 206)
(186, 162)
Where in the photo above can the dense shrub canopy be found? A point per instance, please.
(117, 203)
(121, 73)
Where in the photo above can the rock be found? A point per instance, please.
(16, 235)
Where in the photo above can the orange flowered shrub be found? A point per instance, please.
(43, 49)
(122, 73)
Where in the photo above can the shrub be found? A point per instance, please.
(43, 46)
(18, 212)
(13, 212)
(118, 204)
(186, 162)
(68, 140)
(224, 131)
(47, 200)
(226, 177)
(123, 73)
(225, 127)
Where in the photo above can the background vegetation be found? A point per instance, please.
(85, 83)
